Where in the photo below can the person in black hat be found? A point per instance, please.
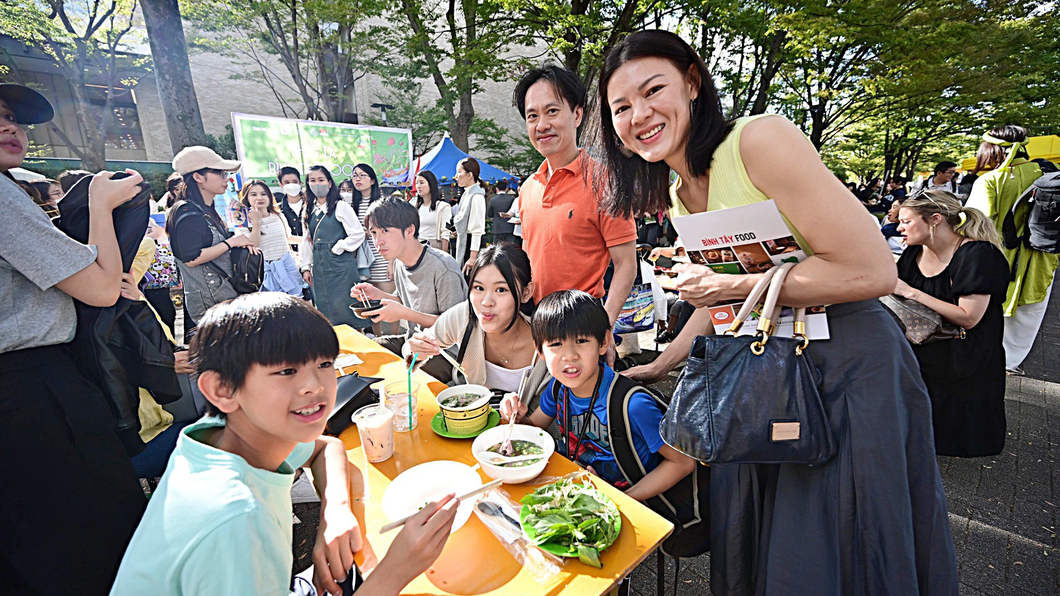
(74, 499)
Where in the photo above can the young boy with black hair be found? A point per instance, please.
(570, 330)
(220, 520)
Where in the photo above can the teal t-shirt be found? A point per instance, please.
(215, 525)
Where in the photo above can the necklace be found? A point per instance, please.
(511, 349)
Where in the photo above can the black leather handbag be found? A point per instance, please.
(745, 399)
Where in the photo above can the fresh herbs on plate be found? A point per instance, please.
(571, 519)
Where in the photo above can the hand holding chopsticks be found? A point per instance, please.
(398, 523)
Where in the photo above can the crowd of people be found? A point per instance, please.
(539, 298)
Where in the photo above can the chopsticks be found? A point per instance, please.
(453, 362)
(397, 524)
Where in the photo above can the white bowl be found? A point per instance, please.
(523, 432)
(417, 486)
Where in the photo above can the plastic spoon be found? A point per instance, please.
(499, 459)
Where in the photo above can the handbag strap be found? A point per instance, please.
(752, 301)
(766, 323)
(771, 308)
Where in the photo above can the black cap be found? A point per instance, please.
(29, 106)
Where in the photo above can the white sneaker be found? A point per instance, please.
(303, 491)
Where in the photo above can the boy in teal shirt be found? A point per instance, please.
(220, 520)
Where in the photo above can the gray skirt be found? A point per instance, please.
(871, 521)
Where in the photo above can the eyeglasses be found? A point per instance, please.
(361, 175)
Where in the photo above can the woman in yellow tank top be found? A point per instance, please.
(873, 520)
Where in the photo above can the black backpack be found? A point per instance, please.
(685, 504)
(1042, 230)
(248, 269)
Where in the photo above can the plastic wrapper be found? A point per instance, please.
(576, 476)
(500, 514)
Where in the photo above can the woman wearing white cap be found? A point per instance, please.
(994, 193)
(198, 236)
(54, 424)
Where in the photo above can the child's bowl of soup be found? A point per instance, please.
(526, 440)
(465, 408)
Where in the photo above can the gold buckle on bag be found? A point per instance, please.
(758, 347)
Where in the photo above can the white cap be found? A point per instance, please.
(193, 159)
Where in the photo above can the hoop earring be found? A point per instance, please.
(625, 151)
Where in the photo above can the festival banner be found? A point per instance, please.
(265, 144)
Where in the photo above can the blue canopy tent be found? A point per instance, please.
(442, 160)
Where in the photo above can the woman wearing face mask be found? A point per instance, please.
(470, 218)
(492, 329)
(198, 236)
(329, 261)
(346, 191)
(269, 232)
(846, 526)
(293, 205)
(435, 213)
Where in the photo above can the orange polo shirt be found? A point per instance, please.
(565, 234)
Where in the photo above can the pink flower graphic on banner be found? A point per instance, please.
(391, 141)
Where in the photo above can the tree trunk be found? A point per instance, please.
(94, 157)
(461, 127)
(817, 124)
(773, 61)
(173, 73)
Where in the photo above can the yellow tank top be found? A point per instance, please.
(730, 186)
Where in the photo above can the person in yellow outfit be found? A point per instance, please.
(995, 193)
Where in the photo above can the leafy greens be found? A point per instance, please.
(576, 517)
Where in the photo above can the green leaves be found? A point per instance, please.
(576, 518)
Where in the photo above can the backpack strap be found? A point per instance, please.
(195, 210)
(467, 336)
(620, 434)
(1010, 235)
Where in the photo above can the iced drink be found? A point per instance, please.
(375, 424)
(397, 401)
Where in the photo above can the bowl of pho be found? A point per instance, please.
(465, 408)
(526, 440)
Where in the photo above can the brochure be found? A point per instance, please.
(749, 239)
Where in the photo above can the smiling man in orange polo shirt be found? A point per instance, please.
(568, 239)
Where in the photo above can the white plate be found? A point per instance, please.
(417, 486)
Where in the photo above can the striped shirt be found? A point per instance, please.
(379, 265)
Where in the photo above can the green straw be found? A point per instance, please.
(414, 356)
